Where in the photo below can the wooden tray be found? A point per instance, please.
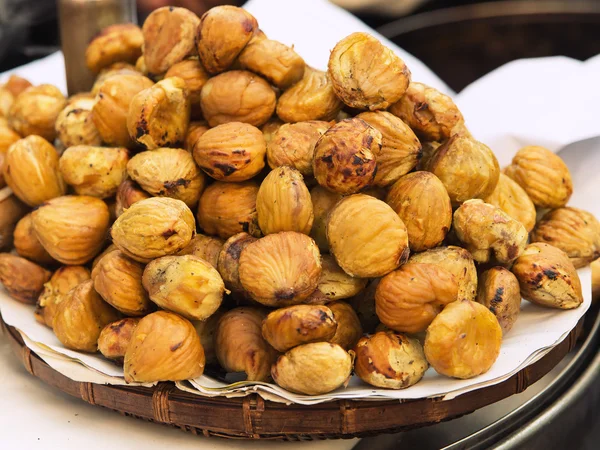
(252, 417)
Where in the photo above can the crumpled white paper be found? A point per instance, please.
(522, 103)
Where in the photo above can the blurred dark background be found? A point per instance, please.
(461, 40)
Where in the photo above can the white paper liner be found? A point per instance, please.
(519, 104)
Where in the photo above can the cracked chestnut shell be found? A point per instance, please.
(159, 115)
(499, 292)
(204, 247)
(409, 298)
(22, 279)
(390, 360)
(128, 193)
(280, 269)
(111, 109)
(423, 204)
(35, 111)
(163, 347)
(187, 285)
(489, 233)
(313, 369)
(154, 227)
(323, 201)
(75, 125)
(349, 329)
(400, 149)
(27, 243)
(456, 260)
(467, 168)
(226, 209)
(80, 318)
(371, 247)
(283, 202)
(289, 327)
(223, 33)
(229, 262)
(31, 170)
(575, 231)
(118, 280)
(275, 61)
(231, 152)
(72, 228)
(464, 340)
(115, 337)
(431, 114)
(240, 346)
(57, 288)
(94, 171)
(547, 277)
(115, 43)
(237, 96)
(366, 74)
(543, 175)
(168, 172)
(345, 156)
(293, 145)
(311, 98)
(514, 201)
(169, 34)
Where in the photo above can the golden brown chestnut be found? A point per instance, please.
(390, 360)
(456, 260)
(423, 204)
(187, 285)
(289, 327)
(575, 231)
(366, 74)
(159, 115)
(56, 289)
(270, 128)
(547, 277)
(240, 346)
(35, 111)
(311, 98)
(16, 84)
(168, 172)
(313, 369)
(115, 43)
(169, 34)
(463, 341)
(277, 62)
(128, 193)
(488, 232)
(110, 71)
(154, 227)
(231, 152)
(514, 201)
(409, 298)
(23, 279)
(467, 168)
(543, 175)
(118, 280)
(112, 107)
(75, 126)
(11, 211)
(366, 236)
(195, 130)
(7, 137)
(6, 101)
(237, 96)
(94, 171)
(400, 149)
(431, 114)
(31, 170)
(226, 209)
(335, 284)
(115, 337)
(195, 77)
(28, 245)
(204, 247)
(293, 145)
(499, 292)
(280, 269)
(283, 202)
(229, 261)
(164, 347)
(207, 330)
(344, 159)
(323, 201)
(80, 318)
(349, 330)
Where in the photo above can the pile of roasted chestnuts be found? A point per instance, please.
(215, 201)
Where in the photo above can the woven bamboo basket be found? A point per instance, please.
(252, 417)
